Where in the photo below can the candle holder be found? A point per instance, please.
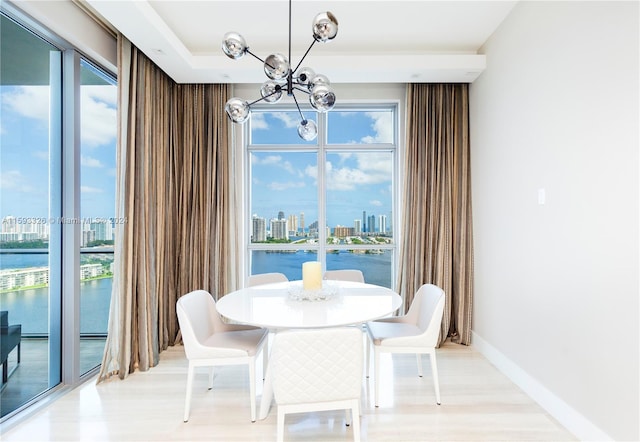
(327, 291)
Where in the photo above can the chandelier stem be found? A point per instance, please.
(290, 74)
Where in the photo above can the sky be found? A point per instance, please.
(24, 153)
(283, 178)
(357, 178)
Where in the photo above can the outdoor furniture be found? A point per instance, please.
(10, 336)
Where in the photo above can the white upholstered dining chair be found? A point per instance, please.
(266, 278)
(315, 370)
(416, 332)
(209, 342)
(344, 275)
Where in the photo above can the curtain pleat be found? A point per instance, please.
(172, 188)
(437, 227)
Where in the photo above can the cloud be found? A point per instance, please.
(275, 161)
(14, 180)
(29, 101)
(99, 117)
(370, 168)
(98, 107)
(88, 189)
(382, 126)
(375, 203)
(279, 186)
(258, 122)
(41, 155)
(286, 118)
(90, 162)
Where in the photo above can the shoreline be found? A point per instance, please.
(41, 286)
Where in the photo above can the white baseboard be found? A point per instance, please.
(573, 421)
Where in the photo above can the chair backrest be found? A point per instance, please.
(318, 365)
(426, 311)
(344, 275)
(266, 278)
(198, 320)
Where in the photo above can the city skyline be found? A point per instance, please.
(283, 227)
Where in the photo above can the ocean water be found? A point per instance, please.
(31, 307)
(375, 267)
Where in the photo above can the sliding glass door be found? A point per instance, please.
(30, 295)
(57, 205)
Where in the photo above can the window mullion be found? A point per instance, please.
(322, 182)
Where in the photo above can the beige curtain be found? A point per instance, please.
(437, 223)
(173, 190)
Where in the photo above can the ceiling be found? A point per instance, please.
(377, 41)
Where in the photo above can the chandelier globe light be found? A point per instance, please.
(282, 79)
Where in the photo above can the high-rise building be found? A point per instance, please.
(382, 223)
(313, 228)
(281, 215)
(343, 232)
(258, 229)
(104, 230)
(301, 222)
(292, 224)
(10, 224)
(279, 229)
(371, 228)
(357, 226)
(364, 221)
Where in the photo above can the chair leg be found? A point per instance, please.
(265, 358)
(252, 387)
(434, 371)
(210, 378)
(367, 352)
(187, 401)
(355, 418)
(419, 358)
(280, 425)
(376, 374)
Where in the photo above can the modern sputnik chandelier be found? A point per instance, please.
(282, 78)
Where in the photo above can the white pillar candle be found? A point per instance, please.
(311, 275)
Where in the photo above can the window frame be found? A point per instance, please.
(246, 147)
(64, 250)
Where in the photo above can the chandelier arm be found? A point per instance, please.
(298, 106)
(306, 91)
(303, 57)
(255, 56)
(265, 97)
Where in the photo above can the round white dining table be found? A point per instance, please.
(272, 306)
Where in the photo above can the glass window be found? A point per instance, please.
(278, 127)
(30, 91)
(361, 127)
(98, 127)
(36, 214)
(330, 200)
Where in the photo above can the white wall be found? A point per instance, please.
(556, 285)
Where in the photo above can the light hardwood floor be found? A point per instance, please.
(478, 403)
